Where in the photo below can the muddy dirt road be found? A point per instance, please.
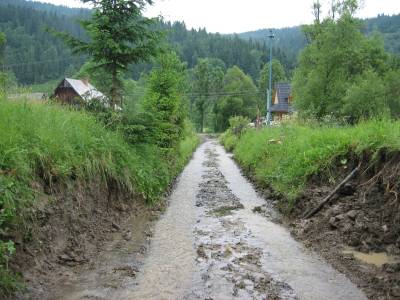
(212, 243)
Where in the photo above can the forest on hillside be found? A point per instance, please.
(34, 55)
(225, 75)
(293, 40)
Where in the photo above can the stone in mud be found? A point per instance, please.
(393, 250)
(341, 217)
(395, 291)
(127, 236)
(201, 252)
(65, 258)
(391, 268)
(115, 226)
(347, 190)
(333, 222)
(352, 214)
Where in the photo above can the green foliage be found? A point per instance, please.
(240, 100)
(285, 157)
(207, 78)
(237, 125)
(2, 45)
(365, 99)
(9, 282)
(392, 92)
(164, 100)
(24, 22)
(335, 60)
(119, 36)
(46, 143)
(98, 77)
(32, 54)
(46, 88)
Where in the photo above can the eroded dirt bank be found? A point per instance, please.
(84, 239)
(218, 239)
(359, 232)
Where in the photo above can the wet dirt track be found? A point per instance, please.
(211, 244)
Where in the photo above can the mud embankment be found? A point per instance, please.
(70, 227)
(358, 232)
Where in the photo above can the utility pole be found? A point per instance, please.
(269, 99)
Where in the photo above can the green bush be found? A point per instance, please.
(237, 125)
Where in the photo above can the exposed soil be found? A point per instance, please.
(216, 240)
(71, 227)
(364, 217)
(212, 244)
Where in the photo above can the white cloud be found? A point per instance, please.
(227, 16)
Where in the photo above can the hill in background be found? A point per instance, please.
(292, 39)
(35, 56)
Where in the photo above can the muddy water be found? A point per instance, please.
(211, 245)
(373, 258)
(170, 265)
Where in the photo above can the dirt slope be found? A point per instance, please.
(68, 229)
(362, 220)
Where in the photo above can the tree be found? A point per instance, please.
(392, 91)
(99, 77)
(365, 98)
(240, 98)
(119, 36)
(165, 101)
(2, 45)
(278, 75)
(338, 54)
(3, 78)
(207, 81)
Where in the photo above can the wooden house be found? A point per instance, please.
(281, 101)
(73, 92)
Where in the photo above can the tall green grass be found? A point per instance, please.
(52, 144)
(284, 157)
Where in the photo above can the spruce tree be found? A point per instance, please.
(119, 35)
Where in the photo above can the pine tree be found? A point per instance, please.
(119, 36)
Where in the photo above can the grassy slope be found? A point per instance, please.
(285, 157)
(45, 142)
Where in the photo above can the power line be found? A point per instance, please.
(41, 62)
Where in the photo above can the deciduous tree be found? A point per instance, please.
(338, 54)
(208, 75)
(240, 98)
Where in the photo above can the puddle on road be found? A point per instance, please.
(372, 258)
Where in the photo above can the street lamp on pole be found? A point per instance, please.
(269, 99)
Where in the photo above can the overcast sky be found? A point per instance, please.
(228, 16)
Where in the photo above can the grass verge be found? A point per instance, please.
(285, 157)
(43, 143)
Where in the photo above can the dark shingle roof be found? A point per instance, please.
(283, 89)
(282, 107)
